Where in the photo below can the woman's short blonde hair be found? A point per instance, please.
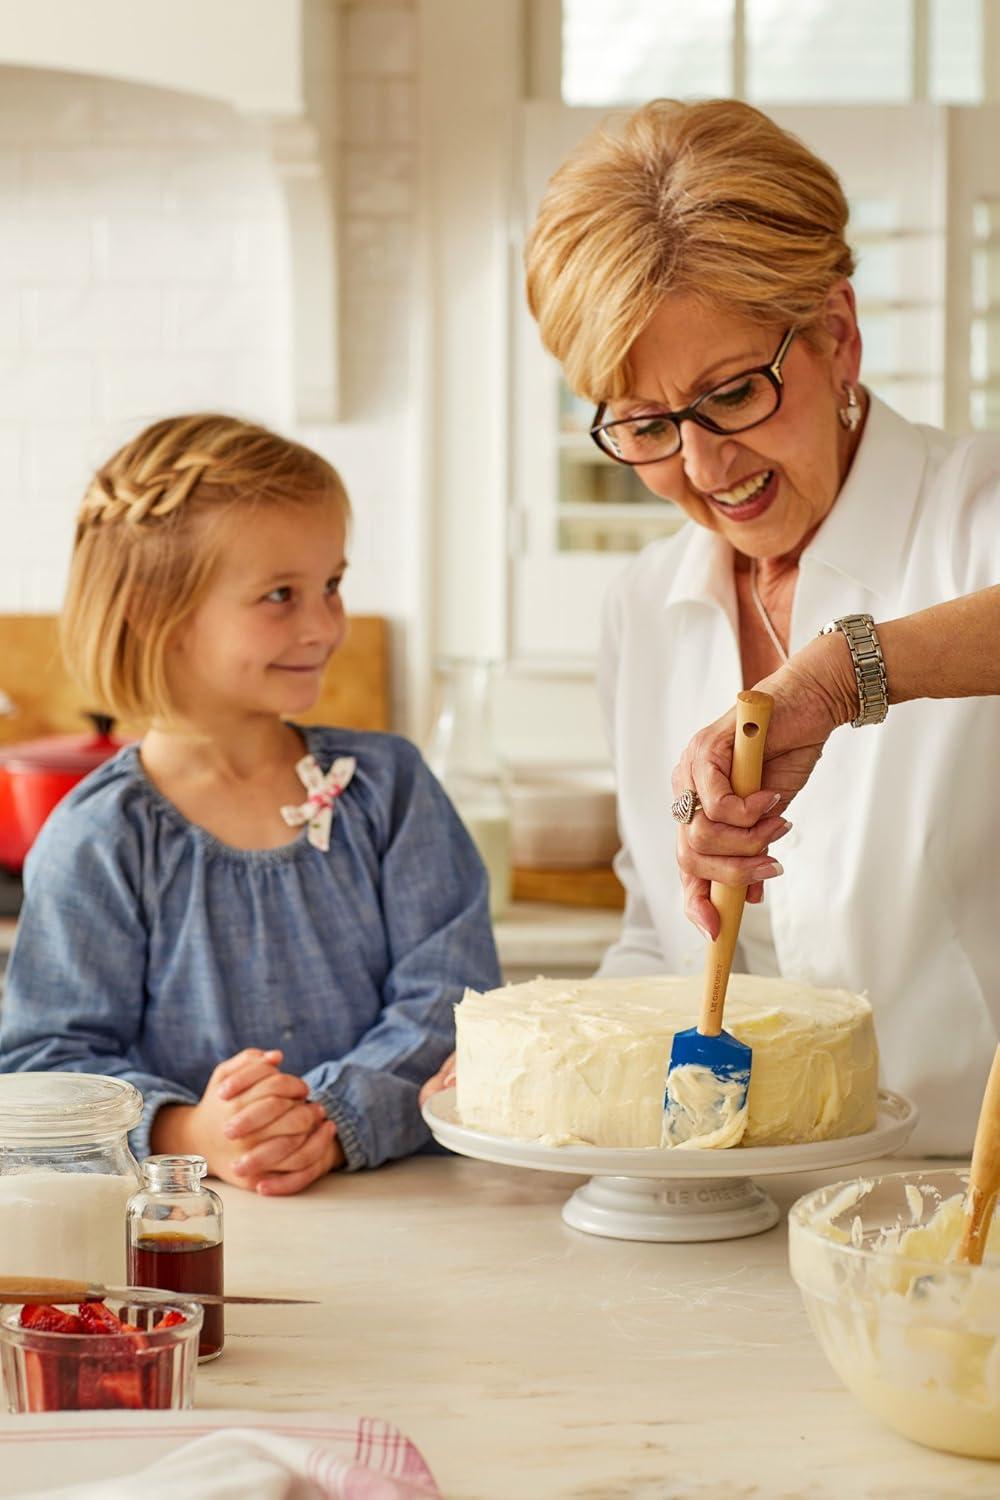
(150, 532)
(712, 199)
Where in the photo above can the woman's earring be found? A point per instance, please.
(850, 415)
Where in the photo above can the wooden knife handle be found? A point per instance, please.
(45, 1288)
(984, 1175)
(753, 715)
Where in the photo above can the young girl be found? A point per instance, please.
(264, 927)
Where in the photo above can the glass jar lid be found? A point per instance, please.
(65, 1108)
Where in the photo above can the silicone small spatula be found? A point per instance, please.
(984, 1174)
(690, 1114)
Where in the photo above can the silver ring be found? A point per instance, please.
(684, 807)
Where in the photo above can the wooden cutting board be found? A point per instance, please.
(355, 689)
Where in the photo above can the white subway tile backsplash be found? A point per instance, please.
(165, 250)
(380, 39)
(88, 319)
(219, 181)
(145, 253)
(30, 253)
(261, 248)
(10, 319)
(10, 470)
(97, 181)
(51, 385)
(142, 388)
(44, 583)
(59, 457)
(262, 390)
(221, 320)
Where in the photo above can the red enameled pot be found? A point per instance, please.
(36, 774)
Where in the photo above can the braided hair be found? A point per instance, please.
(149, 532)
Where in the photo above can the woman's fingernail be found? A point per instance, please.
(230, 1129)
(783, 827)
(769, 868)
(704, 932)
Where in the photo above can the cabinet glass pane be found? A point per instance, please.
(984, 331)
(955, 49)
(828, 50)
(628, 51)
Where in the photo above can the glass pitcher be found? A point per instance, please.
(462, 754)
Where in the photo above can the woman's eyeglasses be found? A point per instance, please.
(741, 402)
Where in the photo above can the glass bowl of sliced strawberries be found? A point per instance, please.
(99, 1355)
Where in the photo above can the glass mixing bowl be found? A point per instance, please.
(914, 1337)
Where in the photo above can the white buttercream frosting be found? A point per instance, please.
(704, 1110)
(913, 1334)
(585, 1061)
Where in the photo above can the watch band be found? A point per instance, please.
(869, 667)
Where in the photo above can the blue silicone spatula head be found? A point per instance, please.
(705, 1102)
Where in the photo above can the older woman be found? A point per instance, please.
(690, 271)
(691, 274)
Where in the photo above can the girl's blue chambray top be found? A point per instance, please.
(150, 950)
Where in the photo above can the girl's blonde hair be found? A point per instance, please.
(711, 199)
(149, 535)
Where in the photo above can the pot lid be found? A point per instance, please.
(74, 754)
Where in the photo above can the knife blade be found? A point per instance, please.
(60, 1289)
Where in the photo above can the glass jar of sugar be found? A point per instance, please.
(66, 1174)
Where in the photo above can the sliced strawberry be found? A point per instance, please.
(96, 1318)
(169, 1320)
(120, 1388)
(48, 1319)
(42, 1381)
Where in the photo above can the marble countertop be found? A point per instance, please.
(530, 1362)
(529, 933)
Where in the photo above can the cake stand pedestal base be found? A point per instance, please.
(678, 1211)
(679, 1194)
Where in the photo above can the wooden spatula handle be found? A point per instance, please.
(45, 1288)
(753, 715)
(984, 1175)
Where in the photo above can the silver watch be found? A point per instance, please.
(869, 667)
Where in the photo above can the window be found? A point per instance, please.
(773, 51)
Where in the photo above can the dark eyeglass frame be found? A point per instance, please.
(771, 371)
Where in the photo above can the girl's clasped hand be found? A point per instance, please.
(256, 1126)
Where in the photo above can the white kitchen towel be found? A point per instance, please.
(361, 1460)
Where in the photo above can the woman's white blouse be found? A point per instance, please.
(892, 869)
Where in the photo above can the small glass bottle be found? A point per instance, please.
(463, 757)
(173, 1238)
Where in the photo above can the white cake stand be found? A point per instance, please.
(681, 1194)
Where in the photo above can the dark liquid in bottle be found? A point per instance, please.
(183, 1263)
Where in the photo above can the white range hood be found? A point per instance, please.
(248, 53)
(275, 60)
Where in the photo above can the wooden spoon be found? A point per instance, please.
(984, 1174)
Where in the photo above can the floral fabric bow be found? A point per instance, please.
(317, 809)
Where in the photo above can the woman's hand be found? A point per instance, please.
(443, 1079)
(729, 839)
